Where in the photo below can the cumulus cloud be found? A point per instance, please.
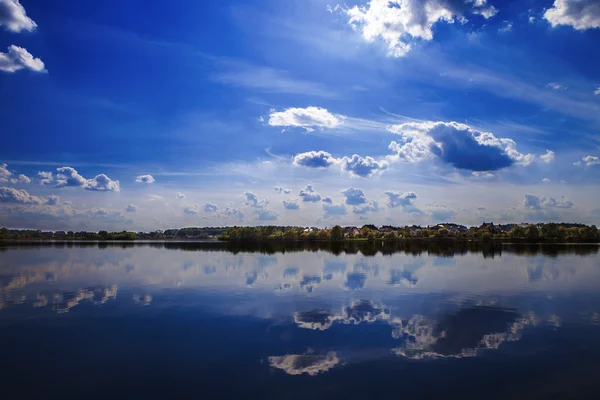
(131, 208)
(69, 177)
(371, 206)
(308, 118)
(457, 144)
(5, 174)
(400, 199)
(588, 161)
(308, 194)
(231, 212)
(145, 179)
(11, 195)
(18, 58)
(400, 23)
(296, 364)
(548, 157)
(23, 179)
(192, 210)
(252, 200)
(266, 215)
(180, 195)
(14, 18)
(579, 14)
(546, 180)
(354, 196)
(45, 178)
(53, 200)
(282, 190)
(113, 216)
(535, 202)
(363, 167)
(210, 208)
(328, 200)
(597, 91)
(315, 159)
(102, 183)
(291, 205)
(333, 211)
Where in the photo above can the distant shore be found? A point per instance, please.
(446, 232)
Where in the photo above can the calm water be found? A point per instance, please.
(211, 321)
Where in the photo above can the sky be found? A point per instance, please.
(145, 115)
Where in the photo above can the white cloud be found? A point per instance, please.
(231, 212)
(546, 180)
(371, 206)
(131, 208)
(113, 216)
(315, 159)
(23, 179)
(548, 157)
(69, 177)
(45, 178)
(11, 195)
(308, 118)
(14, 18)
(354, 196)
(363, 167)
(210, 208)
(266, 215)
(328, 200)
(281, 189)
(400, 23)
(18, 58)
(456, 144)
(252, 200)
(145, 179)
(53, 200)
(308, 194)
(588, 161)
(506, 28)
(180, 195)
(192, 210)
(597, 91)
(310, 364)
(102, 183)
(580, 14)
(400, 199)
(291, 205)
(536, 202)
(557, 86)
(5, 174)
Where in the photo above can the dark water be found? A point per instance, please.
(215, 321)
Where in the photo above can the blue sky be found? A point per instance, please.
(141, 115)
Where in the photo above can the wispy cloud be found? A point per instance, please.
(268, 80)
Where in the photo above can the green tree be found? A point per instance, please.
(532, 232)
(337, 234)
(517, 232)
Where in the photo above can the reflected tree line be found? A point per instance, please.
(366, 248)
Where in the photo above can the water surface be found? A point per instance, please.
(210, 320)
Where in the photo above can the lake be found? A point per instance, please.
(214, 320)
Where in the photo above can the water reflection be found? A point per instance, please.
(304, 313)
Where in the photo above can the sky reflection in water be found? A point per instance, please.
(302, 314)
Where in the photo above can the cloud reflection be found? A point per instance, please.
(297, 364)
